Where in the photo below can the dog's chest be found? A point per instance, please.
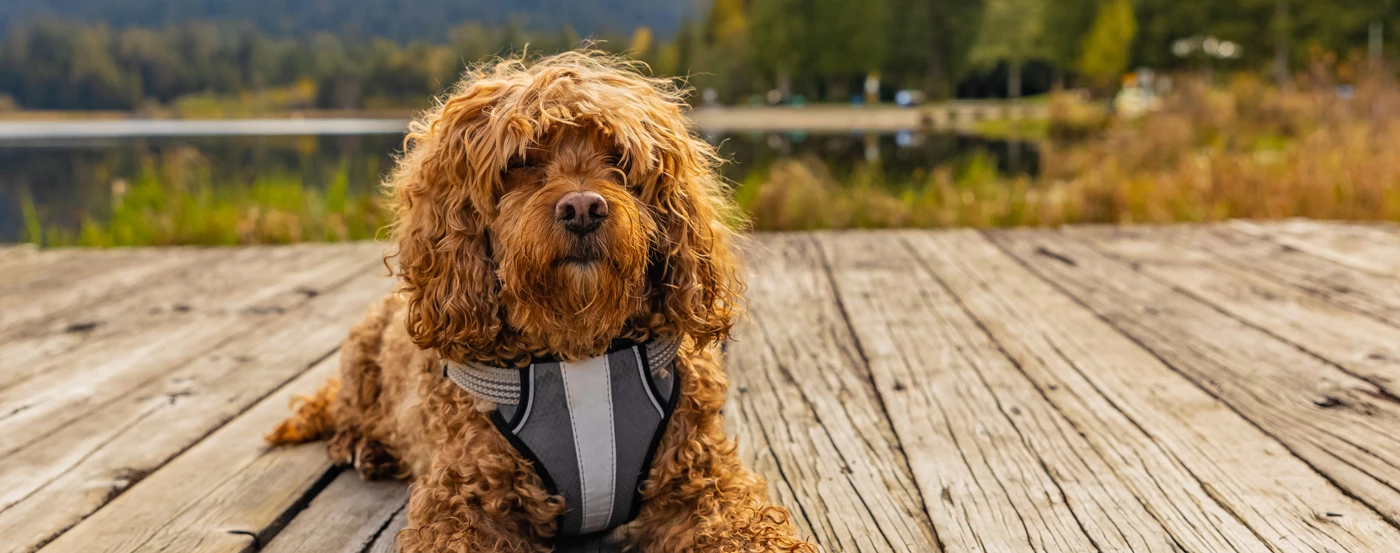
(591, 428)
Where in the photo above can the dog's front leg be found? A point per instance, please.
(479, 496)
(699, 497)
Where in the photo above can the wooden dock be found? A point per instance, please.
(1216, 388)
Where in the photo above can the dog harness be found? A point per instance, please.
(589, 427)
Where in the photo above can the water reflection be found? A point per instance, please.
(903, 157)
(71, 180)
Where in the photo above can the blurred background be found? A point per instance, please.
(134, 122)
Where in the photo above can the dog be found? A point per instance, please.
(563, 255)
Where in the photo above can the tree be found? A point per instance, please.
(1065, 28)
(719, 56)
(778, 44)
(1010, 31)
(1104, 55)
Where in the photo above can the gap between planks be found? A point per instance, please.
(981, 433)
(1320, 413)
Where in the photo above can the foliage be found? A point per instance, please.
(234, 68)
(1009, 30)
(1104, 55)
(177, 200)
(1250, 152)
(400, 20)
(127, 55)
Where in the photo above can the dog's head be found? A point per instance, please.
(547, 207)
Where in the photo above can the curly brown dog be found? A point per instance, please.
(548, 210)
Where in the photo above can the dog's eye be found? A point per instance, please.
(520, 169)
(614, 159)
(522, 163)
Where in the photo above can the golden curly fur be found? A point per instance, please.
(489, 275)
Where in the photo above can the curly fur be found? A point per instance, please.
(488, 275)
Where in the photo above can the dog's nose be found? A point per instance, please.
(581, 212)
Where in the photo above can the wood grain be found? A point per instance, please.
(1365, 247)
(988, 484)
(1363, 292)
(1358, 344)
(1203, 388)
(54, 482)
(29, 310)
(190, 307)
(67, 386)
(387, 541)
(226, 494)
(1207, 476)
(1339, 424)
(349, 516)
(804, 406)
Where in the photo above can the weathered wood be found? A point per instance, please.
(61, 477)
(70, 386)
(1341, 425)
(984, 479)
(15, 253)
(1212, 480)
(1363, 292)
(1209, 388)
(349, 516)
(229, 493)
(1371, 248)
(387, 541)
(1358, 344)
(50, 272)
(803, 399)
(32, 309)
(187, 308)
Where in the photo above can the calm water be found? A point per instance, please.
(71, 179)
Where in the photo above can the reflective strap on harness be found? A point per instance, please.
(502, 385)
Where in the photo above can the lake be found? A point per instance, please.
(70, 179)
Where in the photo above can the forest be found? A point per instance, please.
(226, 59)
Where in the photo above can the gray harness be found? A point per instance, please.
(590, 427)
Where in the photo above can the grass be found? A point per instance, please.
(179, 201)
(1243, 151)
(1013, 129)
(1247, 151)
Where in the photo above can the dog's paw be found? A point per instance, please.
(374, 461)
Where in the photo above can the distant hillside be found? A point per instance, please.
(402, 20)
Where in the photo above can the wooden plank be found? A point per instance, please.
(51, 271)
(387, 542)
(61, 290)
(1360, 345)
(65, 298)
(802, 398)
(61, 477)
(226, 494)
(14, 253)
(1343, 426)
(989, 486)
(1360, 291)
(40, 340)
(1372, 248)
(349, 516)
(1209, 477)
(206, 300)
(69, 386)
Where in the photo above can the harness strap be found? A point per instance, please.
(502, 385)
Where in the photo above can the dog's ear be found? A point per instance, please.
(696, 274)
(444, 190)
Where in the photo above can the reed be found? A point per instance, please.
(1246, 151)
(1243, 151)
(176, 200)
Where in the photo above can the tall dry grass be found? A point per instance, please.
(177, 199)
(1244, 151)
